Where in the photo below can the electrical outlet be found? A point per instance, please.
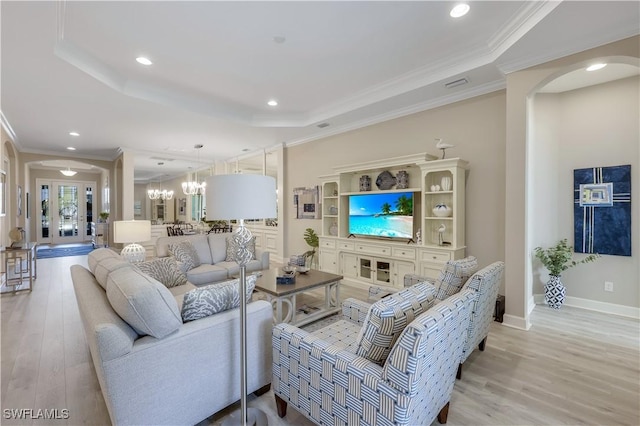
(608, 286)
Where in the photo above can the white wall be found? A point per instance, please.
(477, 129)
(591, 127)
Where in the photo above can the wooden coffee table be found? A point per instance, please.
(278, 294)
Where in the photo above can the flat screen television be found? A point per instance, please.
(387, 215)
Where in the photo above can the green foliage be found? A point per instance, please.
(386, 208)
(404, 205)
(311, 238)
(104, 215)
(559, 258)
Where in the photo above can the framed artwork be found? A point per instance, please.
(306, 202)
(602, 210)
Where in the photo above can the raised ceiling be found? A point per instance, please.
(70, 66)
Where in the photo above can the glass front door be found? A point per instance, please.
(66, 211)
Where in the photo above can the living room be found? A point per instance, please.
(501, 134)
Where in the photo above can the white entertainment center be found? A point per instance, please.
(381, 261)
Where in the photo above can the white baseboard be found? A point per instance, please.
(515, 322)
(594, 305)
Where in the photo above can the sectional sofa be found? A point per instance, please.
(213, 257)
(152, 367)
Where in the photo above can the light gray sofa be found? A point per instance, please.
(212, 252)
(181, 378)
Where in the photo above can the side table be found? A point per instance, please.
(19, 267)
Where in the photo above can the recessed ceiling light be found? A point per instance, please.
(272, 102)
(279, 39)
(74, 133)
(596, 67)
(459, 10)
(71, 148)
(144, 61)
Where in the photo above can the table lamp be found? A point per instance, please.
(132, 231)
(242, 197)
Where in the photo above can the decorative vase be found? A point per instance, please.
(554, 292)
(445, 183)
(365, 183)
(333, 229)
(442, 210)
(402, 179)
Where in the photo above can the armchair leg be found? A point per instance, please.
(442, 415)
(281, 405)
(482, 343)
(262, 390)
(459, 373)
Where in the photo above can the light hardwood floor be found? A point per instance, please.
(572, 367)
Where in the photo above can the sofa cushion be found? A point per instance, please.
(232, 248)
(214, 298)
(388, 317)
(218, 247)
(453, 276)
(186, 255)
(207, 274)
(144, 303)
(107, 265)
(165, 270)
(97, 255)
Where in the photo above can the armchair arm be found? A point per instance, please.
(413, 279)
(315, 377)
(355, 310)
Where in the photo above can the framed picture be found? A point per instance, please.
(19, 201)
(596, 195)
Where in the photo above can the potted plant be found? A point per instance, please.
(311, 238)
(558, 259)
(104, 216)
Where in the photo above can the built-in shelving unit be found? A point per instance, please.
(375, 261)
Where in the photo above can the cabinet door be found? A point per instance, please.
(382, 272)
(328, 261)
(365, 268)
(349, 265)
(400, 269)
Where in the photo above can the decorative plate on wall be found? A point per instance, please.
(385, 180)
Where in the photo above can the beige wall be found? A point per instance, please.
(475, 127)
(595, 126)
(520, 88)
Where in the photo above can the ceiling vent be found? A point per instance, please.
(323, 125)
(162, 159)
(456, 83)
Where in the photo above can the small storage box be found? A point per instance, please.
(286, 279)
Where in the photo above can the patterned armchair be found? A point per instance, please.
(460, 274)
(393, 374)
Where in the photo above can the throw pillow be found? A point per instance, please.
(165, 270)
(453, 276)
(143, 303)
(186, 255)
(233, 247)
(388, 317)
(205, 301)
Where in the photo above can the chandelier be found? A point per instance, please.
(192, 186)
(159, 194)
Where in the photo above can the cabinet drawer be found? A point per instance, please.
(331, 244)
(371, 249)
(434, 256)
(346, 245)
(405, 253)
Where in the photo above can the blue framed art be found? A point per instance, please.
(602, 210)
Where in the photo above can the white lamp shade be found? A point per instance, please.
(131, 231)
(241, 197)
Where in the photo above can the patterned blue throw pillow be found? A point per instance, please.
(205, 301)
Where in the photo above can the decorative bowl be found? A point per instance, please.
(442, 210)
(302, 269)
(288, 269)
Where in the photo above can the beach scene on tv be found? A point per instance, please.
(382, 215)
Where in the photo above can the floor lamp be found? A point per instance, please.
(242, 197)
